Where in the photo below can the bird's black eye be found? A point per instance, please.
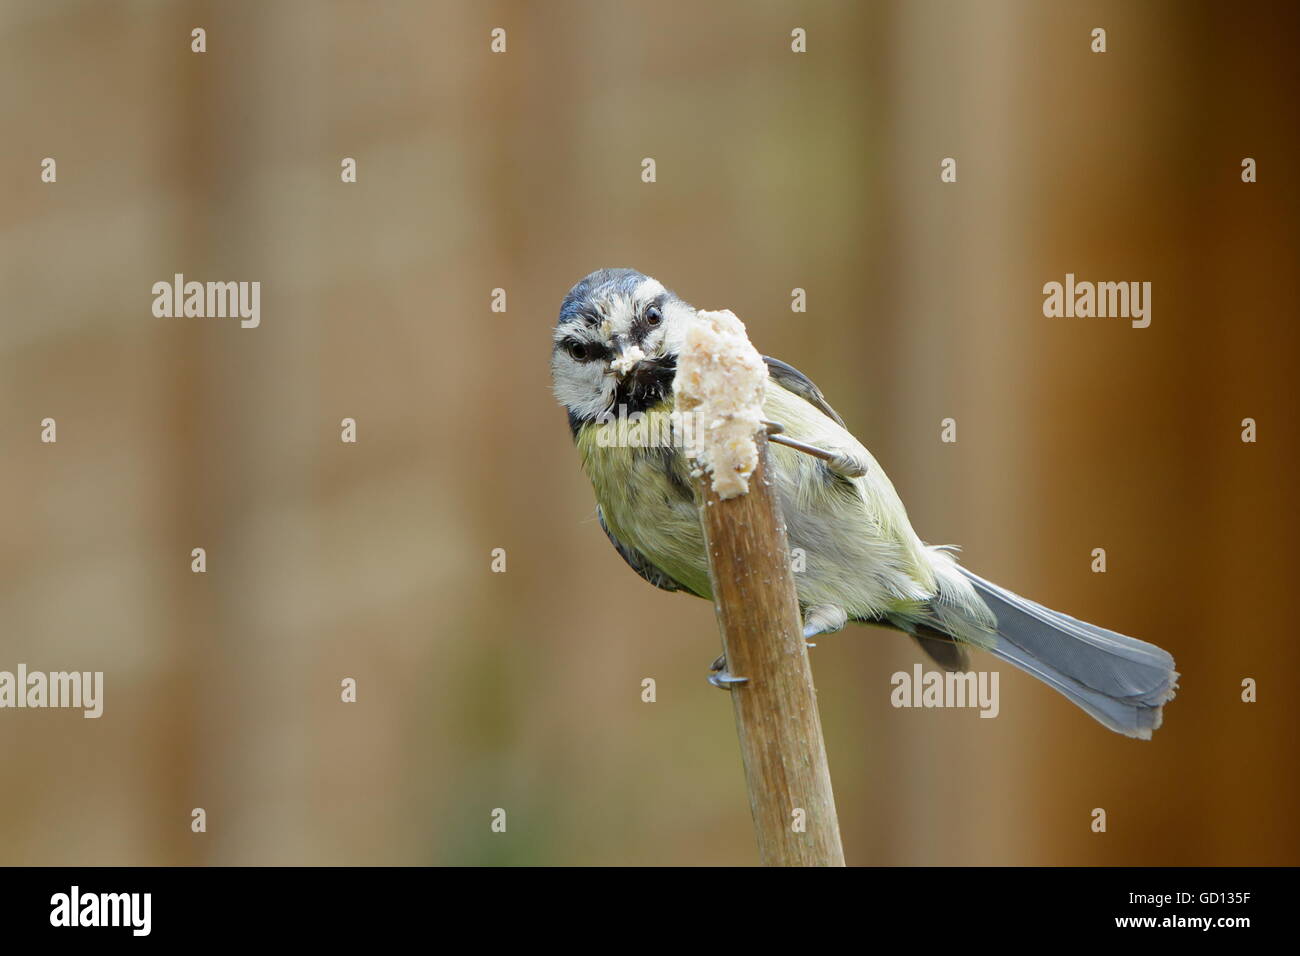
(578, 351)
(653, 316)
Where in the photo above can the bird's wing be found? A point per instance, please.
(636, 560)
(884, 509)
(793, 380)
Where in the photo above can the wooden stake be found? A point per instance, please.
(776, 710)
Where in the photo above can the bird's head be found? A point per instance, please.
(616, 343)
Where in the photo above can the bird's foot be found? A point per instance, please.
(847, 465)
(843, 463)
(719, 676)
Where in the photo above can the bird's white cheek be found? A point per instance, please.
(586, 389)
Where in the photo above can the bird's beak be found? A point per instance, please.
(629, 356)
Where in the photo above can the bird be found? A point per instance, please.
(614, 357)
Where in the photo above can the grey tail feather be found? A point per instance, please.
(1120, 681)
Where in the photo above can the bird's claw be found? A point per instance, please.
(720, 678)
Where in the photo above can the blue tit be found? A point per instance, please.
(614, 356)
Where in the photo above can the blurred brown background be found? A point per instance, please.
(775, 170)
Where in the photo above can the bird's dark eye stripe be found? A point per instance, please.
(584, 351)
